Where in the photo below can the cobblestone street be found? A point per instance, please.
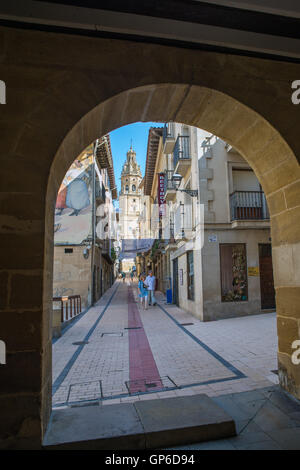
(117, 352)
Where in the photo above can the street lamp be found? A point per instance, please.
(176, 179)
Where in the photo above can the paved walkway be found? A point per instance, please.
(265, 419)
(117, 352)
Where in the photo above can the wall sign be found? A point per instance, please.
(161, 193)
(253, 271)
(181, 277)
(212, 238)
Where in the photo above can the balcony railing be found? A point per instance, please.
(168, 137)
(100, 192)
(70, 306)
(168, 183)
(168, 131)
(172, 231)
(248, 205)
(182, 149)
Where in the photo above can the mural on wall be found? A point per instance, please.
(73, 210)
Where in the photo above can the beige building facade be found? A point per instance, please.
(85, 224)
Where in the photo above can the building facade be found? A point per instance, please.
(84, 230)
(213, 245)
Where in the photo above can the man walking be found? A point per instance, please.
(150, 283)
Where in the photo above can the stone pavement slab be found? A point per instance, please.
(141, 425)
(265, 425)
(95, 427)
(183, 419)
(287, 439)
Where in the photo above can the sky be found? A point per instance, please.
(120, 140)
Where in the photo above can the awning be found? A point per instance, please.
(130, 247)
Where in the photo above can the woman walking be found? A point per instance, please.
(143, 292)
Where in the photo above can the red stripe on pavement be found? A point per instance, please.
(143, 372)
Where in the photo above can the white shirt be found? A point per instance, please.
(150, 282)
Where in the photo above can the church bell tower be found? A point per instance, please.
(130, 199)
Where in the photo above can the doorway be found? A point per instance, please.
(175, 282)
(266, 276)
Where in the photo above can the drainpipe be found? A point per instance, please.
(93, 224)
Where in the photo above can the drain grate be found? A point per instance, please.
(112, 334)
(186, 324)
(133, 328)
(150, 385)
(80, 343)
(275, 371)
(84, 403)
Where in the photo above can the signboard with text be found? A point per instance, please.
(253, 271)
(161, 194)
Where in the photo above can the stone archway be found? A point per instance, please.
(260, 144)
(55, 83)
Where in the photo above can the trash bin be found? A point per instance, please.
(169, 296)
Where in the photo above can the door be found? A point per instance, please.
(94, 285)
(266, 276)
(175, 282)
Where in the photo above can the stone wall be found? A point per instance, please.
(63, 92)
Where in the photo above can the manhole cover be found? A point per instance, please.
(84, 391)
(112, 334)
(149, 385)
(80, 343)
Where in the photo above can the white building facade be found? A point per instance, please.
(215, 247)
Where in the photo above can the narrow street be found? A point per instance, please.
(117, 352)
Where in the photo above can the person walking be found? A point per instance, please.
(143, 292)
(150, 283)
(123, 276)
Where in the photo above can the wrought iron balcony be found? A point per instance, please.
(248, 205)
(168, 137)
(100, 192)
(169, 186)
(182, 154)
(172, 232)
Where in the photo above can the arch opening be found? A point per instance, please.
(255, 139)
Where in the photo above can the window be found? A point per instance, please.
(68, 250)
(233, 264)
(190, 275)
(127, 188)
(133, 187)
